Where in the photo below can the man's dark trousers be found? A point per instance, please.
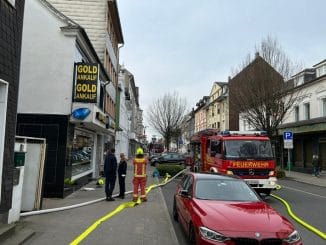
(122, 186)
(109, 184)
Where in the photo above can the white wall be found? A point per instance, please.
(47, 62)
(313, 94)
(122, 137)
(14, 212)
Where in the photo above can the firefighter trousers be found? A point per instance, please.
(139, 181)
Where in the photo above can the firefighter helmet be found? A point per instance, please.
(139, 151)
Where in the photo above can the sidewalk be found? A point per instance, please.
(307, 178)
(145, 224)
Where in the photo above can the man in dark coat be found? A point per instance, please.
(110, 171)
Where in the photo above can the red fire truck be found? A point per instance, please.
(247, 154)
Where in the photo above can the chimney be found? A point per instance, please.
(256, 55)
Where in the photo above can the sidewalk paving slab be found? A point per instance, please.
(146, 224)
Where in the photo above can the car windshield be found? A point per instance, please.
(253, 149)
(224, 190)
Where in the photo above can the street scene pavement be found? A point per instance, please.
(146, 223)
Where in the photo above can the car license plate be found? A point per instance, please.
(252, 182)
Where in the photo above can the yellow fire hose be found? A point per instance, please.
(90, 229)
(296, 218)
(121, 207)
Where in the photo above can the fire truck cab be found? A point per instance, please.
(247, 154)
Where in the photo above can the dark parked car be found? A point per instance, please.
(169, 158)
(154, 155)
(219, 209)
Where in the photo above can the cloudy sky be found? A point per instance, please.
(186, 45)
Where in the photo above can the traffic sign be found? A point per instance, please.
(288, 135)
(288, 139)
(288, 144)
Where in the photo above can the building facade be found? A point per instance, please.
(134, 113)
(122, 135)
(201, 112)
(256, 80)
(188, 131)
(61, 98)
(307, 118)
(11, 24)
(101, 21)
(218, 109)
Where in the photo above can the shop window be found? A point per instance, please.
(81, 154)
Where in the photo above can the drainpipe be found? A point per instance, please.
(117, 104)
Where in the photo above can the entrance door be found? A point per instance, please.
(322, 155)
(33, 173)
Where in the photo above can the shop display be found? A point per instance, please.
(81, 154)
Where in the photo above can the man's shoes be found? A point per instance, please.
(121, 197)
(134, 199)
(109, 199)
(144, 199)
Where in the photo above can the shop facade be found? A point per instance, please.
(63, 99)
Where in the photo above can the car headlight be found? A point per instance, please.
(293, 237)
(212, 235)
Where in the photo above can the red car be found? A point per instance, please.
(220, 209)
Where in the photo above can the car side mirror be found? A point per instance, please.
(184, 193)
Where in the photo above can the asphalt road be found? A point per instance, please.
(307, 202)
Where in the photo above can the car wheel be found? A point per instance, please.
(192, 235)
(175, 212)
(268, 192)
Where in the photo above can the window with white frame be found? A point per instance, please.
(307, 111)
(324, 107)
(296, 114)
(320, 71)
(298, 80)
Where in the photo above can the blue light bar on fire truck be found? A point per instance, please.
(243, 133)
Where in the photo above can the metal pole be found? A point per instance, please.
(289, 163)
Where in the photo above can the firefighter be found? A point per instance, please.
(139, 175)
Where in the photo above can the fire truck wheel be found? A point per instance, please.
(265, 192)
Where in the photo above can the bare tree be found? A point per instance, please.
(166, 115)
(261, 90)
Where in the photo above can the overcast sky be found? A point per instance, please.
(186, 45)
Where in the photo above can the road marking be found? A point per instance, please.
(121, 207)
(296, 218)
(313, 194)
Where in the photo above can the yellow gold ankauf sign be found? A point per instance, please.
(86, 80)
